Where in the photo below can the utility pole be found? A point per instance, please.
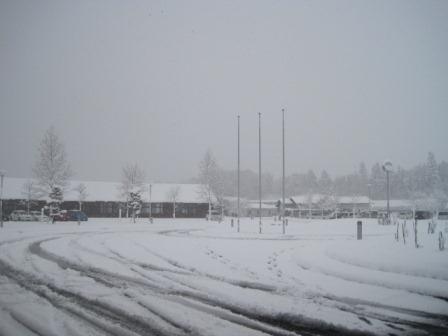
(259, 166)
(283, 175)
(238, 183)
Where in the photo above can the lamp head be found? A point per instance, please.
(387, 166)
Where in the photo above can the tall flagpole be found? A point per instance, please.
(259, 166)
(238, 188)
(283, 175)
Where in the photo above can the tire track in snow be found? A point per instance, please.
(192, 270)
(279, 325)
(120, 323)
(439, 329)
(285, 322)
(120, 281)
(362, 315)
(373, 281)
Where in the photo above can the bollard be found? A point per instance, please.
(231, 222)
(359, 230)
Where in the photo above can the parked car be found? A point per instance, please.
(76, 215)
(423, 215)
(20, 215)
(60, 216)
(443, 215)
(405, 215)
(38, 217)
(215, 215)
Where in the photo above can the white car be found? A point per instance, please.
(37, 216)
(20, 215)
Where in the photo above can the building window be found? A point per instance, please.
(157, 208)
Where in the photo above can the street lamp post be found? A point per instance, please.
(2, 175)
(150, 203)
(369, 186)
(259, 166)
(238, 178)
(283, 172)
(387, 167)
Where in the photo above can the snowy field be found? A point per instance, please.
(192, 277)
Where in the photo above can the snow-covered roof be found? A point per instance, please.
(353, 200)
(232, 199)
(305, 199)
(382, 204)
(318, 198)
(110, 191)
(256, 205)
(403, 204)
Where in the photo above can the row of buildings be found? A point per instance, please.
(324, 206)
(104, 199)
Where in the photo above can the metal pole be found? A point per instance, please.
(283, 176)
(150, 204)
(238, 187)
(370, 199)
(388, 195)
(259, 166)
(2, 174)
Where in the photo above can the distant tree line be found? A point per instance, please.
(425, 180)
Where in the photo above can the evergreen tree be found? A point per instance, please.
(363, 180)
(311, 182)
(377, 182)
(55, 200)
(432, 177)
(132, 181)
(135, 202)
(325, 183)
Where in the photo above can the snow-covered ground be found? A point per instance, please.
(189, 276)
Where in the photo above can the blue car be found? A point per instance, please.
(76, 215)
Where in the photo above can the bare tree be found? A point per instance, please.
(211, 179)
(52, 169)
(81, 193)
(31, 194)
(173, 196)
(132, 181)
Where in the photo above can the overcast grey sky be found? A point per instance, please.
(159, 82)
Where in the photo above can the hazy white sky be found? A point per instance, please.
(159, 82)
